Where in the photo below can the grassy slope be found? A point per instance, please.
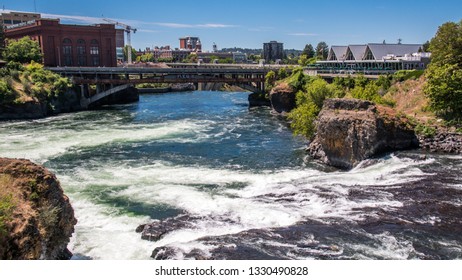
(410, 99)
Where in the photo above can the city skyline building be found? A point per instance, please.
(273, 51)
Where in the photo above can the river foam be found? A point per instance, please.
(231, 171)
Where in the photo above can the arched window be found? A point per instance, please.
(81, 53)
(94, 52)
(67, 51)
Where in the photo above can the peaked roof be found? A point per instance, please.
(381, 50)
(358, 51)
(338, 51)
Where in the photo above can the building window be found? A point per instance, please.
(95, 60)
(94, 50)
(67, 51)
(81, 57)
(81, 53)
(80, 50)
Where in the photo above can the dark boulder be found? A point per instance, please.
(352, 130)
(282, 98)
(258, 100)
(26, 110)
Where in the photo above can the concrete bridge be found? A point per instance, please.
(108, 79)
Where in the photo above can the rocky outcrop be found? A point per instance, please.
(258, 100)
(40, 220)
(442, 142)
(282, 98)
(183, 87)
(351, 130)
(26, 110)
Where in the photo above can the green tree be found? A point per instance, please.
(444, 74)
(322, 50)
(426, 46)
(270, 79)
(282, 73)
(316, 92)
(309, 103)
(23, 50)
(134, 57)
(446, 46)
(303, 60)
(308, 51)
(191, 58)
(303, 119)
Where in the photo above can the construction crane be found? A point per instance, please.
(128, 29)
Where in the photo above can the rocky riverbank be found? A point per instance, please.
(442, 142)
(37, 218)
(68, 102)
(172, 88)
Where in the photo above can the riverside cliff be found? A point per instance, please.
(36, 218)
(351, 130)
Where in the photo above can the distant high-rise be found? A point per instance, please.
(273, 51)
(191, 44)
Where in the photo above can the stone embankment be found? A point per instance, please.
(352, 130)
(67, 103)
(37, 219)
(442, 142)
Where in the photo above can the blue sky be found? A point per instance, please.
(249, 23)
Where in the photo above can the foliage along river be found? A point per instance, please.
(242, 181)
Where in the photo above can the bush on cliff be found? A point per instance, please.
(32, 83)
(22, 51)
(44, 84)
(309, 103)
(7, 95)
(7, 204)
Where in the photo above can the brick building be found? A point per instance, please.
(191, 44)
(70, 45)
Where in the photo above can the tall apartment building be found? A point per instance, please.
(273, 51)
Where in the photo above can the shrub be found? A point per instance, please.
(7, 94)
(23, 50)
(7, 204)
(302, 119)
(425, 130)
(48, 218)
(403, 75)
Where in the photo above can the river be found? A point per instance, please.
(243, 182)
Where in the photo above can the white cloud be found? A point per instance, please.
(147, 31)
(81, 19)
(134, 23)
